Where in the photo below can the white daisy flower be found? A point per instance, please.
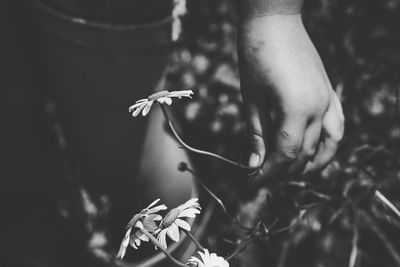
(208, 260)
(144, 105)
(146, 219)
(174, 220)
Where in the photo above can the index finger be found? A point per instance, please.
(285, 144)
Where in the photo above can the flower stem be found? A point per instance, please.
(190, 235)
(202, 152)
(386, 201)
(155, 242)
(242, 246)
(218, 200)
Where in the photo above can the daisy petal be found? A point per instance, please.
(162, 238)
(182, 224)
(154, 217)
(147, 108)
(168, 101)
(195, 261)
(139, 225)
(161, 100)
(156, 209)
(137, 241)
(153, 203)
(142, 100)
(125, 241)
(134, 106)
(121, 251)
(137, 111)
(132, 243)
(173, 232)
(183, 93)
(191, 213)
(205, 256)
(189, 204)
(150, 226)
(142, 236)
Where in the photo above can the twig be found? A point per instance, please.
(292, 225)
(382, 237)
(155, 242)
(387, 202)
(202, 152)
(309, 188)
(216, 198)
(361, 197)
(338, 212)
(285, 228)
(354, 243)
(379, 194)
(242, 246)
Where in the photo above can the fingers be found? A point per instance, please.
(308, 148)
(288, 141)
(325, 153)
(258, 119)
(301, 148)
(333, 129)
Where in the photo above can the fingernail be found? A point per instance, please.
(254, 160)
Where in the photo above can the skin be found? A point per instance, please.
(295, 119)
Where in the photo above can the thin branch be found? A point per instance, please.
(242, 246)
(382, 237)
(379, 194)
(217, 199)
(387, 202)
(360, 198)
(287, 228)
(202, 152)
(354, 244)
(309, 188)
(338, 212)
(292, 225)
(155, 242)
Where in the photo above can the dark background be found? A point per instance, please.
(359, 42)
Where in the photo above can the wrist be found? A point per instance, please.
(255, 8)
(271, 27)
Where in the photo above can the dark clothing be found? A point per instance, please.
(115, 11)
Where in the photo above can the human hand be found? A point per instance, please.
(295, 119)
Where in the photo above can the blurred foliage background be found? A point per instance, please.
(331, 219)
(335, 218)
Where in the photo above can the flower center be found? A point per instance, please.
(169, 218)
(157, 95)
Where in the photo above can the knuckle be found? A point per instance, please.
(289, 149)
(289, 154)
(311, 167)
(337, 135)
(308, 153)
(290, 138)
(256, 138)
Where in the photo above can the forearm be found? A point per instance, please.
(253, 8)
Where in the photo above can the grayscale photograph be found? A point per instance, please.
(200, 133)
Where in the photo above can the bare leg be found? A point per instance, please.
(95, 73)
